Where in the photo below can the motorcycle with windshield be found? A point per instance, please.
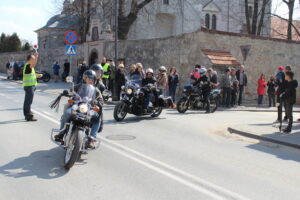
(134, 97)
(77, 131)
(193, 99)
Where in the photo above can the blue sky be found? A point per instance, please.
(26, 16)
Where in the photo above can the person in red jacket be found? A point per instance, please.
(261, 88)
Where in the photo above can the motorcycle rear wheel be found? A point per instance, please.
(182, 105)
(73, 150)
(120, 112)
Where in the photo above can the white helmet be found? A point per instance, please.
(149, 70)
(203, 70)
(162, 68)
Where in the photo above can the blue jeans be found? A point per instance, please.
(66, 118)
(29, 93)
(172, 92)
(241, 91)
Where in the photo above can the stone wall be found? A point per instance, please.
(185, 51)
(46, 59)
(12, 56)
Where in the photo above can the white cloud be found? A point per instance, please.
(21, 11)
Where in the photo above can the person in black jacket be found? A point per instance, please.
(289, 97)
(241, 76)
(120, 79)
(271, 91)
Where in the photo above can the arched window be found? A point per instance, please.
(207, 21)
(214, 22)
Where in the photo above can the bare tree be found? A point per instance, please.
(125, 21)
(290, 4)
(258, 15)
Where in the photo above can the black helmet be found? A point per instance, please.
(89, 74)
(96, 68)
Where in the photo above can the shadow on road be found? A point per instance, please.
(276, 151)
(13, 121)
(11, 109)
(46, 164)
(132, 119)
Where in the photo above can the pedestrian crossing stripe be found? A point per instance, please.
(71, 49)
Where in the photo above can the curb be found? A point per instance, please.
(275, 111)
(253, 136)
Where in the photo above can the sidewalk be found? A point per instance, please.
(267, 131)
(56, 88)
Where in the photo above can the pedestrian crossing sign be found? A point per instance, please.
(71, 50)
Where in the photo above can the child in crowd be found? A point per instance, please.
(271, 91)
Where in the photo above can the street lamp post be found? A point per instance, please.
(245, 49)
(115, 95)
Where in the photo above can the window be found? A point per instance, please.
(207, 21)
(166, 2)
(214, 22)
(250, 10)
(95, 34)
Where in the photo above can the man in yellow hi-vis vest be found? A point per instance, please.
(106, 72)
(30, 83)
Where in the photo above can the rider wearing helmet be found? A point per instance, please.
(149, 79)
(89, 78)
(99, 73)
(204, 84)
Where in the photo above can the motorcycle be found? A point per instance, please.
(106, 94)
(134, 97)
(77, 137)
(193, 99)
(45, 78)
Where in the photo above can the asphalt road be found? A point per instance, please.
(175, 156)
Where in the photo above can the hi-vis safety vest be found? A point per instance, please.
(29, 79)
(105, 69)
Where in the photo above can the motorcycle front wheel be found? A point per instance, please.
(214, 104)
(157, 112)
(182, 105)
(46, 78)
(73, 149)
(120, 111)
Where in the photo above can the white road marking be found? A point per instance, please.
(178, 175)
(47, 113)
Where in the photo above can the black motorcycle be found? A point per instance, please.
(193, 99)
(134, 98)
(77, 137)
(45, 78)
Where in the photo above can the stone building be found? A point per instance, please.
(158, 19)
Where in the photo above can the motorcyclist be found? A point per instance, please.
(205, 86)
(99, 72)
(149, 79)
(89, 78)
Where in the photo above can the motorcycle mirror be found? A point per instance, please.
(69, 79)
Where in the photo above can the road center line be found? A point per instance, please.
(178, 175)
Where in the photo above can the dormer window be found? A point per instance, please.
(214, 22)
(207, 21)
(166, 2)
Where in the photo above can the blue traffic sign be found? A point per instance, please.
(71, 50)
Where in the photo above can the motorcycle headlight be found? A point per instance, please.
(75, 107)
(83, 108)
(129, 91)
